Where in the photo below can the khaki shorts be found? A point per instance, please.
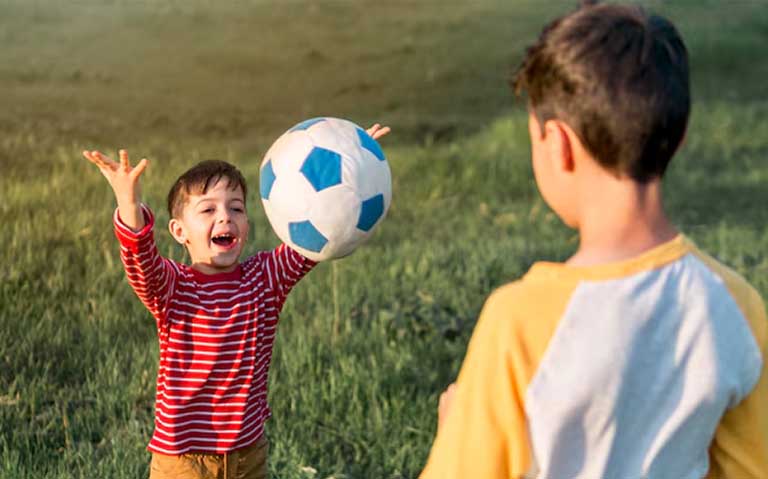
(246, 463)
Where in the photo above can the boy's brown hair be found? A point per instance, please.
(198, 179)
(619, 78)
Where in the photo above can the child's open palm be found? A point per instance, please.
(124, 181)
(123, 178)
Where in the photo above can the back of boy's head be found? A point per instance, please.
(198, 179)
(619, 78)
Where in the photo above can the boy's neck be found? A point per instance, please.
(206, 268)
(620, 220)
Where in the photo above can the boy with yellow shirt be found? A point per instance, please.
(640, 356)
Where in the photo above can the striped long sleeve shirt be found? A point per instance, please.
(216, 334)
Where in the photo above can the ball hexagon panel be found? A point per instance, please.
(334, 212)
(285, 199)
(287, 154)
(266, 179)
(367, 142)
(307, 124)
(322, 168)
(367, 175)
(336, 135)
(305, 235)
(370, 211)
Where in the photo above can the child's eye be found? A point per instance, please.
(239, 210)
(208, 210)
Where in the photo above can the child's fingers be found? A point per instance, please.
(94, 158)
(381, 132)
(91, 157)
(124, 163)
(103, 161)
(377, 131)
(140, 168)
(372, 130)
(100, 158)
(87, 155)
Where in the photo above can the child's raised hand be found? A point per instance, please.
(123, 178)
(377, 131)
(124, 181)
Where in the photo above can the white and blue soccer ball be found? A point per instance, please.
(325, 185)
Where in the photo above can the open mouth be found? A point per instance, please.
(225, 239)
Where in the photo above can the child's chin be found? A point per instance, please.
(226, 261)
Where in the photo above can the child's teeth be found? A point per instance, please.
(224, 239)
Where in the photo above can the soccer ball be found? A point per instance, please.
(325, 185)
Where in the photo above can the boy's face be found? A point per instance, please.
(214, 228)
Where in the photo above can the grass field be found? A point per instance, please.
(182, 81)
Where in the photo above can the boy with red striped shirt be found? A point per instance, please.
(216, 318)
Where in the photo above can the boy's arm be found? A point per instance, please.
(484, 432)
(284, 267)
(150, 275)
(740, 446)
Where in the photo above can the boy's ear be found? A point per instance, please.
(559, 145)
(177, 231)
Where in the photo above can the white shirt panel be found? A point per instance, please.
(638, 374)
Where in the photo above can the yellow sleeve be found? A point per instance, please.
(485, 433)
(740, 447)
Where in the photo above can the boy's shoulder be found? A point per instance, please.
(271, 260)
(746, 296)
(535, 303)
(522, 315)
(532, 295)
(738, 286)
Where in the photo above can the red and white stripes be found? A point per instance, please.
(216, 334)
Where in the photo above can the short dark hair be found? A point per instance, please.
(198, 179)
(619, 78)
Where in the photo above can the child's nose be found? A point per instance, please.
(224, 217)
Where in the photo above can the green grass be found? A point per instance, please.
(183, 81)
